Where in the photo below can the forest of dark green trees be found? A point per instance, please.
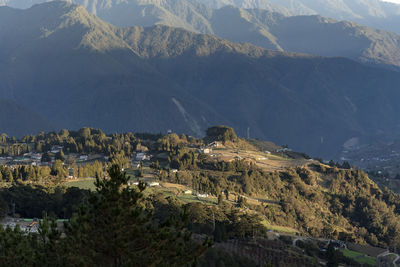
(111, 228)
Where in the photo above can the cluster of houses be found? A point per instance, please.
(209, 148)
(35, 159)
(148, 183)
(197, 194)
(31, 158)
(26, 159)
(139, 157)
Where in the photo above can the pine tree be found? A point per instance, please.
(17, 249)
(220, 199)
(114, 230)
(46, 157)
(60, 155)
(332, 256)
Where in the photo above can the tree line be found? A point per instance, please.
(84, 141)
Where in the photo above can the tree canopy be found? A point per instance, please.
(112, 228)
(221, 133)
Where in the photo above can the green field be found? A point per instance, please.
(280, 229)
(87, 183)
(189, 198)
(359, 257)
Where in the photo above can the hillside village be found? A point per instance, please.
(37, 159)
(165, 165)
(269, 159)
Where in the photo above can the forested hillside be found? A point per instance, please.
(160, 78)
(220, 187)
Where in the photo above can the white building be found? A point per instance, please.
(142, 156)
(151, 184)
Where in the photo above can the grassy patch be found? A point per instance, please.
(175, 192)
(351, 254)
(276, 157)
(189, 198)
(359, 257)
(87, 183)
(278, 228)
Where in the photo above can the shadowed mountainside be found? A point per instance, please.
(159, 78)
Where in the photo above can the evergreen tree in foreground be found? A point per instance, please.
(111, 229)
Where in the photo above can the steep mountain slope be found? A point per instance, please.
(253, 4)
(188, 14)
(305, 34)
(72, 68)
(16, 119)
(76, 70)
(282, 97)
(320, 36)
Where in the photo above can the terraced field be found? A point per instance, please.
(266, 161)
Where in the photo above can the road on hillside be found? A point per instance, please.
(385, 254)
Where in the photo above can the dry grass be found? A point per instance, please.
(177, 186)
(278, 228)
(265, 161)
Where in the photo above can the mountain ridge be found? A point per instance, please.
(15, 119)
(302, 34)
(372, 13)
(159, 78)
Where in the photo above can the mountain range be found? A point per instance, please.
(269, 29)
(373, 13)
(367, 12)
(73, 69)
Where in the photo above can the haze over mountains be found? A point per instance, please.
(372, 13)
(368, 12)
(75, 70)
(305, 34)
